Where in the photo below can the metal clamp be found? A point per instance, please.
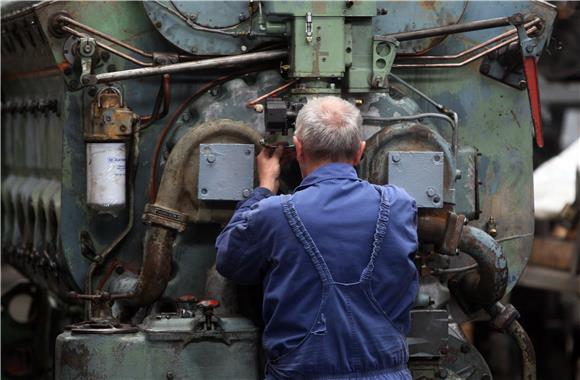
(165, 217)
(87, 48)
(452, 236)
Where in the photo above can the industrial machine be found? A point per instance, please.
(129, 132)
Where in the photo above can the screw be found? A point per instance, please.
(211, 159)
(436, 158)
(204, 191)
(430, 192)
(243, 48)
(522, 85)
(246, 193)
(259, 108)
(158, 24)
(108, 119)
(332, 86)
(122, 128)
(395, 158)
(248, 152)
(436, 199)
(530, 48)
(185, 117)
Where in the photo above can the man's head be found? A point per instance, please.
(328, 129)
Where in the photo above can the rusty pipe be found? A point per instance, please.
(173, 195)
(488, 284)
(156, 266)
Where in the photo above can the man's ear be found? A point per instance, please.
(299, 150)
(359, 153)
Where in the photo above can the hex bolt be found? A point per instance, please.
(395, 158)
(246, 193)
(211, 159)
(430, 192)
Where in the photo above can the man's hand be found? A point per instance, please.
(268, 163)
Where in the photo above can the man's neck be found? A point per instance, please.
(309, 167)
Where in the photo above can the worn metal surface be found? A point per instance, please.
(226, 171)
(420, 174)
(167, 348)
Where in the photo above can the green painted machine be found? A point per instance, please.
(129, 132)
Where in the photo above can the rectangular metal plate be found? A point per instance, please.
(420, 174)
(226, 171)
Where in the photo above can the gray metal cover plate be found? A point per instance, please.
(420, 174)
(226, 171)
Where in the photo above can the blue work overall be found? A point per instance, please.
(352, 337)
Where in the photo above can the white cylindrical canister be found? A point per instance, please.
(106, 175)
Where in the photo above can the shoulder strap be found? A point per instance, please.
(380, 231)
(305, 239)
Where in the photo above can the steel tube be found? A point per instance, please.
(473, 48)
(86, 28)
(192, 66)
(444, 30)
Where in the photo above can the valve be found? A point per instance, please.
(207, 307)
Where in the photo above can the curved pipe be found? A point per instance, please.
(173, 195)
(488, 284)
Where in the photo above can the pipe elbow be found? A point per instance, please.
(489, 284)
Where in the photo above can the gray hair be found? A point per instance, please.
(329, 128)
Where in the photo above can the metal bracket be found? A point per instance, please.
(453, 230)
(87, 48)
(384, 53)
(165, 217)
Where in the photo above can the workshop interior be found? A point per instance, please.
(129, 132)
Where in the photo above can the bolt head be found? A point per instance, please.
(246, 193)
(436, 199)
(244, 48)
(430, 191)
(396, 158)
(259, 108)
(211, 158)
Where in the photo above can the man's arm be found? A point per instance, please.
(240, 256)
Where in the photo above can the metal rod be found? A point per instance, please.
(458, 64)
(108, 48)
(275, 91)
(192, 66)
(86, 28)
(474, 48)
(444, 30)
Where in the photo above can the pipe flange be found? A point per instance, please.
(165, 217)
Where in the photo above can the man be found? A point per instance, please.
(335, 258)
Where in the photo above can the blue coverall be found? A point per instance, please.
(336, 263)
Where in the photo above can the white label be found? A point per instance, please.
(106, 174)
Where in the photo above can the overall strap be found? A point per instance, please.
(380, 232)
(305, 239)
